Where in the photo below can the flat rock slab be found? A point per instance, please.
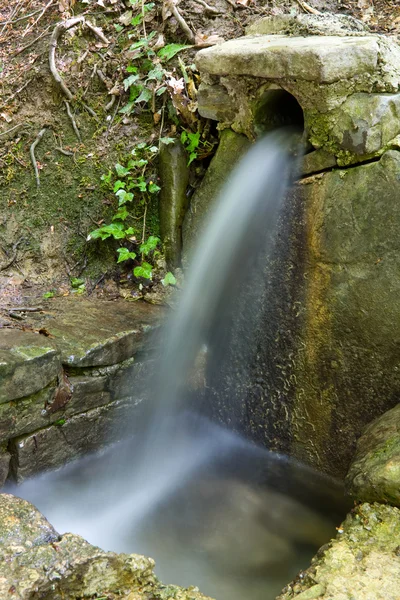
(37, 563)
(91, 333)
(362, 563)
(28, 363)
(324, 59)
(374, 474)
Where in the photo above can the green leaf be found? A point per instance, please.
(145, 270)
(106, 178)
(118, 185)
(121, 171)
(141, 146)
(194, 140)
(130, 80)
(184, 137)
(153, 149)
(137, 20)
(127, 109)
(137, 163)
(157, 73)
(124, 254)
(130, 231)
(145, 96)
(48, 295)
(192, 157)
(149, 245)
(141, 184)
(170, 50)
(169, 279)
(161, 90)
(121, 214)
(139, 44)
(118, 27)
(153, 188)
(115, 230)
(124, 197)
(131, 69)
(76, 282)
(167, 140)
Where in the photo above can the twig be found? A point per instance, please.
(45, 32)
(110, 104)
(15, 11)
(14, 256)
(210, 9)
(182, 23)
(27, 309)
(23, 18)
(12, 129)
(17, 92)
(38, 19)
(143, 20)
(32, 153)
(59, 29)
(90, 110)
(72, 119)
(96, 283)
(144, 223)
(65, 152)
(307, 8)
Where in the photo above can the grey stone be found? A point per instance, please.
(174, 173)
(28, 362)
(215, 102)
(323, 24)
(319, 160)
(98, 333)
(324, 59)
(71, 437)
(231, 147)
(374, 474)
(361, 563)
(37, 563)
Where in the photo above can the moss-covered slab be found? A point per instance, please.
(92, 333)
(71, 437)
(374, 474)
(28, 362)
(324, 59)
(305, 24)
(37, 563)
(362, 563)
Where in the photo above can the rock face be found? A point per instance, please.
(76, 388)
(374, 474)
(39, 563)
(362, 562)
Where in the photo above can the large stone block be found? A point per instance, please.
(28, 362)
(324, 59)
(374, 474)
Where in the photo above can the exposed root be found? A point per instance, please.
(307, 8)
(210, 9)
(90, 111)
(12, 129)
(110, 104)
(65, 152)
(32, 153)
(12, 260)
(182, 23)
(59, 29)
(72, 119)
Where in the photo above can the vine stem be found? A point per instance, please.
(32, 153)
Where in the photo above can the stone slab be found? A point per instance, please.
(71, 437)
(36, 562)
(361, 563)
(28, 363)
(374, 474)
(323, 59)
(92, 333)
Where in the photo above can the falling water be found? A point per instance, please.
(212, 508)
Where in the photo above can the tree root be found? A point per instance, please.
(59, 29)
(182, 23)
(13, 258)
(72, 119)
(32, 153)
(210, 9)
(307, 8)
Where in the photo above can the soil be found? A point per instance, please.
(43, 230)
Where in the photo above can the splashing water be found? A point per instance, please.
(213, 509)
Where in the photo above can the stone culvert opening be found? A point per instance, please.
(277, 108)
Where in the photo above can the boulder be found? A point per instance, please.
(374, 474)
(38, 563)
(361, 563)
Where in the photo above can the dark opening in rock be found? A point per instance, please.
(277, 108)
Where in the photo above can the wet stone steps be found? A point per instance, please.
(72, 389)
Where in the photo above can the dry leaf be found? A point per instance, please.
(207, 40)
(160, 43)
(6, 116)
(126, 17)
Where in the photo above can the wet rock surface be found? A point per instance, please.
(28, 362)
(62, 391)
(37, 563)
(362, 562)
(374, 474)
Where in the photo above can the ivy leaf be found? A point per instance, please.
(106, 178)
(48, 295)
(153, 188)
(130, 80)
(137, 20)
(76, 282)
(127, 109)
(160, 91)
(167, 140)
(194, 140)
(145, 96)
(121, 171)
(157, 74)
(169, 279)
(145, 270)
(137, 163)
(124, 254)
(118, 185)
(121, 214)
(170, 50)
(131, 69)
(124, 197)
(115, 230)
(149, 245)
